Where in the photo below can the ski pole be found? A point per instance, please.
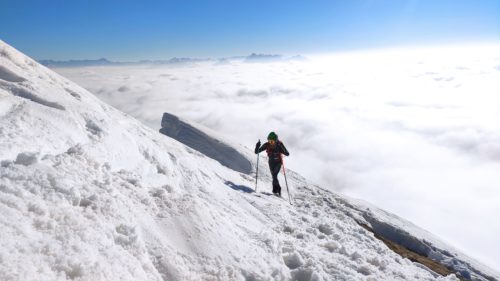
(257, 173)
(286, 182)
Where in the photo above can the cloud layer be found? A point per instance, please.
(413, 131)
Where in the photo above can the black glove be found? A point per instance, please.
(257, 146)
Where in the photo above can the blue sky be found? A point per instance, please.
(154, 29)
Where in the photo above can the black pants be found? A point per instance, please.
(275, 170)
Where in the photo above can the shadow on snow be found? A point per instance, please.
(243, 188)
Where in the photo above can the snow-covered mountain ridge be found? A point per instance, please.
(89, 193)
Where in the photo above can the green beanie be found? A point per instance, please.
(272, 136)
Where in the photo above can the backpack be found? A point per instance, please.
(274, 153)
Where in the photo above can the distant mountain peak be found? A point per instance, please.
(254, 57)
(76, 62)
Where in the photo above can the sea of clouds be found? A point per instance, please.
(414, 131)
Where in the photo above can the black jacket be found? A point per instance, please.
(273, 152)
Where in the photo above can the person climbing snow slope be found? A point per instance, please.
(274, 149)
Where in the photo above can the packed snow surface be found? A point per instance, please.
(89, 193)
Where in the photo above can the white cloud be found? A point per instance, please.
(413, 131)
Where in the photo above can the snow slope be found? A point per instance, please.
(89, 193)
(212, 147)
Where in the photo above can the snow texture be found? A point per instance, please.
(89, 193)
